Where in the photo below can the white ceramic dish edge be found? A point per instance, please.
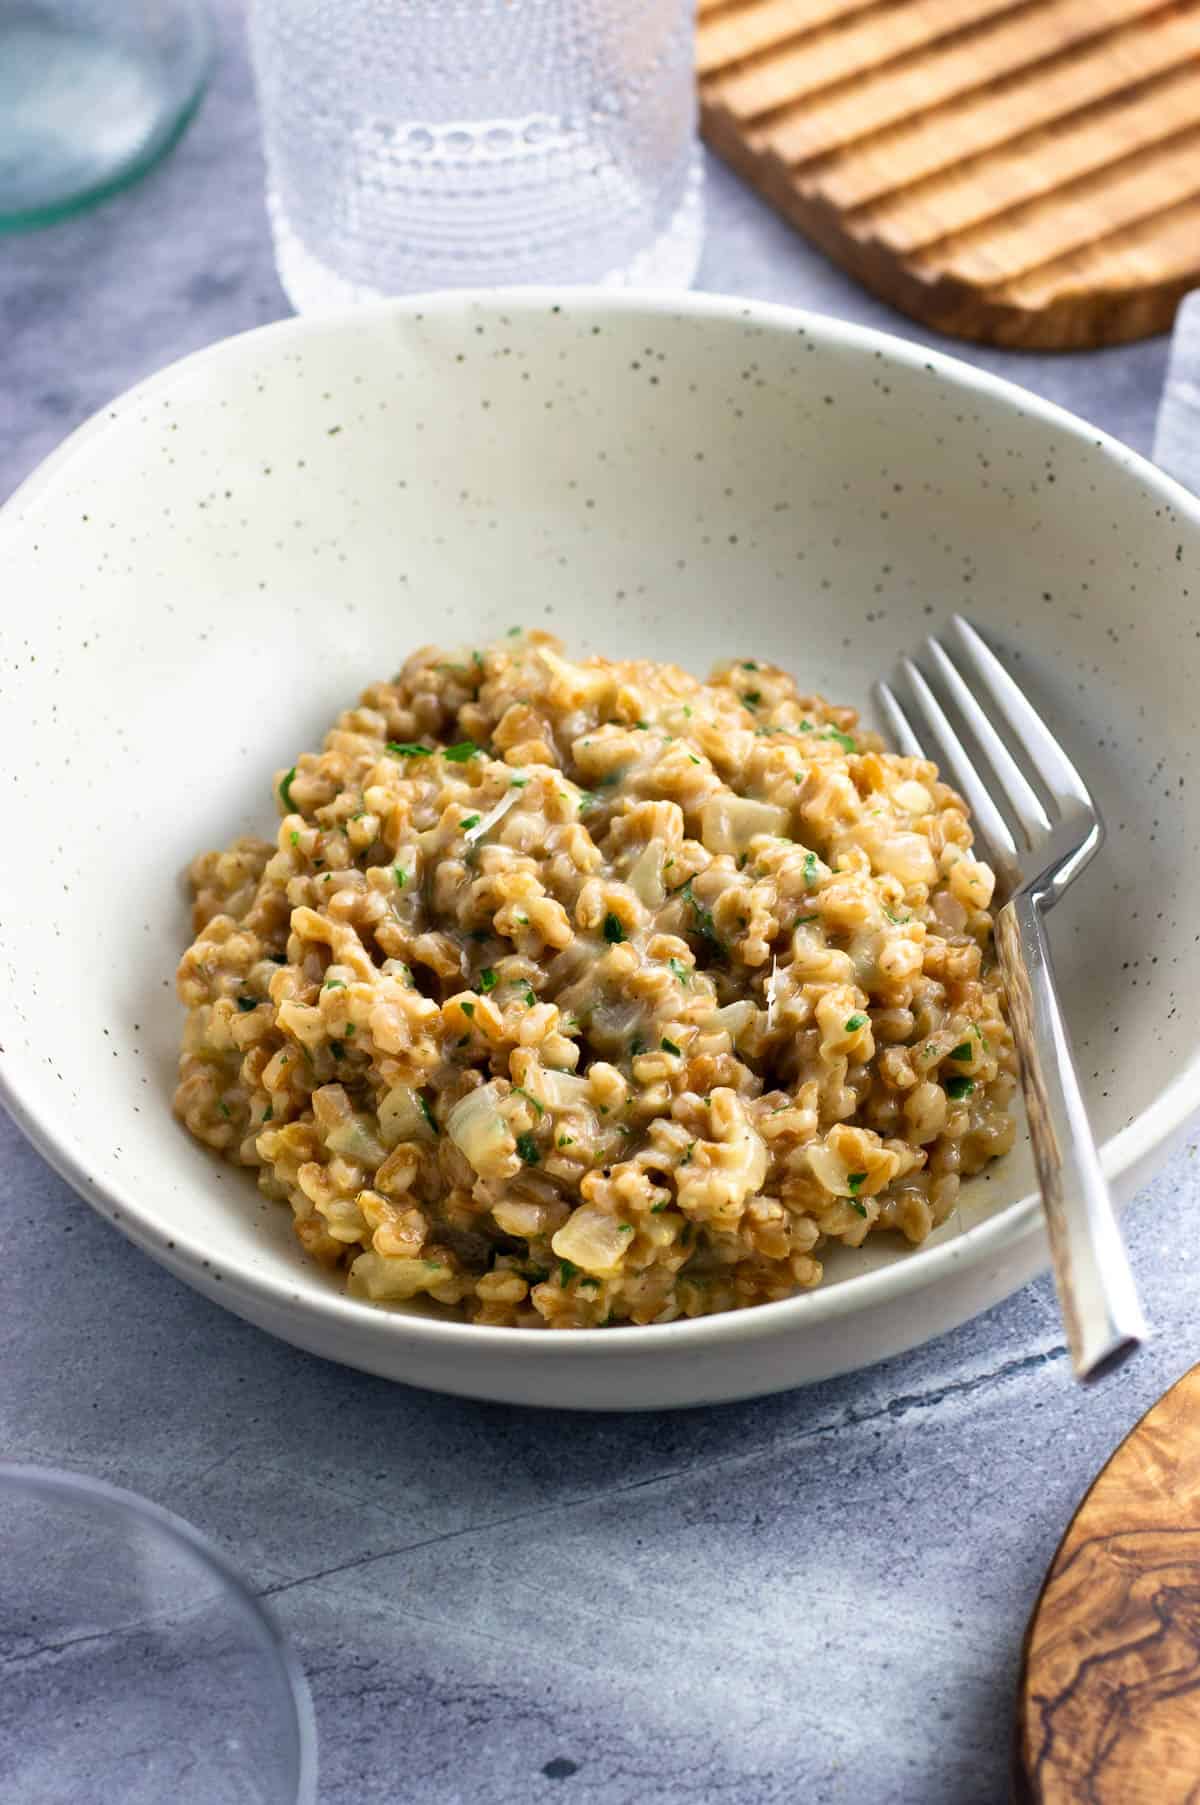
(903, 1304)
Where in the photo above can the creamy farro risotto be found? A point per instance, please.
(574, 993)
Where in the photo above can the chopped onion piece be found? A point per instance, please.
(729, 823)
(611, 1026)
(389, 1280)
(592, 1240)
(401, 1117)
(829, 1170)
(864, 950)
(480, 1132)
(563, 1090)
(735, 1018)
(356, 1139)
(912, 797)
(645, 876)
(908, 857)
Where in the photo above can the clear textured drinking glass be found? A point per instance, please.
(92, 92)
(422, 144)
(138, 1667)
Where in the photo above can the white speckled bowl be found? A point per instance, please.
(199, 579)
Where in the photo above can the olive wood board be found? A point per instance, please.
(1021, 172)
(1108, 1705)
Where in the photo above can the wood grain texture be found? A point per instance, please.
(1109, 1698)
(1024, 172)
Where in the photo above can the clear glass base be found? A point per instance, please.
(90, 97)
(671, 261)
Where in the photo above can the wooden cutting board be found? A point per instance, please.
(1109, 1700)
(1025, 172)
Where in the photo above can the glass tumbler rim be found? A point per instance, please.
(117, 1505)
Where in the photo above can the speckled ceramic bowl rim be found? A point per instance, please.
(1153, 1128)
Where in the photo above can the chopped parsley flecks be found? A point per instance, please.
(856, 1181)
(246, 1004)
(656, 1209)
(810, 869)
(637, 1045)
(470, 821)
(566, 1272)
(748, 664)
(566, 1140)
(517, 783)
(855, 1022)
(225, 1110)
(958, 1088)
(337, 1049)
(702, 918)
(333, 984)
(802, 921)
(468, 1009)
(860, 1209)
(614, 933)
(668, 1046)
(285, 790)
(268, 1114)
(487, 979)
(465, 749)
(533, 1103)
(400, 875)
(752, 698)
(681, 971)
(964, 1050)
(423, 1106)
(295, 837)
(408, 749)
(844, 740)
(530, 996)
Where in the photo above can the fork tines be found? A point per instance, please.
(965, 681)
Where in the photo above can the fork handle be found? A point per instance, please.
(1096, 1289)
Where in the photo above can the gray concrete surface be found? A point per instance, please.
(816, 1598)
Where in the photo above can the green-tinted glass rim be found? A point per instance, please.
(140, 162)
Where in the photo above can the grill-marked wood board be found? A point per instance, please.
(1024, 172)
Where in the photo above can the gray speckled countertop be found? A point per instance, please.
(819, 1597)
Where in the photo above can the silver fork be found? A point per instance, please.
(1096, 1290)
